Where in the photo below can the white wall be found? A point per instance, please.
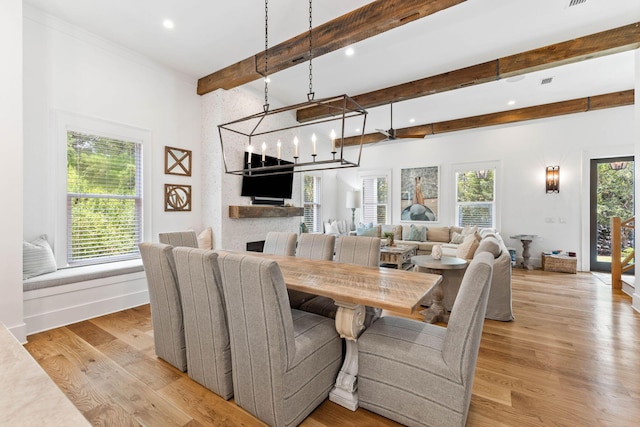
(70, 70)
(11, 102)
(522, 150)
(636, 295)
(220, 189)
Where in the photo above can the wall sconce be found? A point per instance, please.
(553, 179)
(617, 166)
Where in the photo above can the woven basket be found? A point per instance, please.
(559, 263)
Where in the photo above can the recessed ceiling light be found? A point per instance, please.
(357, 129)
(512, 102)
(168, 24)
(349, 51)
(515, 79)
(412, 120)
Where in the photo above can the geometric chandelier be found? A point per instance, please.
(273, 141)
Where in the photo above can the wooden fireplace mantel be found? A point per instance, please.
(254, 211)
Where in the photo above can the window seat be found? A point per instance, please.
(69, 275)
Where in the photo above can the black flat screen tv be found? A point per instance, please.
(262, 186)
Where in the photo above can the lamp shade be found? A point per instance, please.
(353, 199)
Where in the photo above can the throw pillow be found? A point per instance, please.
(417, 234)
(468, 248)
(332, 228)
(37, 258)
(491, 245)
(457, 238)
(205, 239)
(367, 231)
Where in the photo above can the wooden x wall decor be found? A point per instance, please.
(177, 161)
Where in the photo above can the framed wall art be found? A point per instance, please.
(177, 198)
(419, 188)
(177, 161)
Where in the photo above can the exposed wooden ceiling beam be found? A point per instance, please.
(610, 100)
(587, 47)
(369, 20)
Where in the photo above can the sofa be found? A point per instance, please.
(452, 241)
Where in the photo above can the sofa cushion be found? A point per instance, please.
(37, 258)
(491, 245)
(205, 239)
(417, 233)
(457, 238)
(369, 230)
(438, 234)
(468, 248)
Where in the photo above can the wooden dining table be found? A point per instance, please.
(352, 287)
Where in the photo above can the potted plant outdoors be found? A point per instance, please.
(389, 236)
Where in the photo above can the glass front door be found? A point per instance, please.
(612, 195)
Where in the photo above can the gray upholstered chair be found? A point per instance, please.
(205, 319)
(285, 361)
(280, 243)
(179, 238)
(313, 246)
(360, 250)
(166, 306)
(420, 374)
(316, 246)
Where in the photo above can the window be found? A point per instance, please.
(375, 198)
(312, 188)
(475, 197)
(104, 198)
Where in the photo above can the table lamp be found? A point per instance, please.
(353, 203)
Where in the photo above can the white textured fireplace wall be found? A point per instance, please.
(219, 190)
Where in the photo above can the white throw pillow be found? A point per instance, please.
(332, 227)
(205, 239)
(37, 258)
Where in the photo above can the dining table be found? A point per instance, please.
(352, 288)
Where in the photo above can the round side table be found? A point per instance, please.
(436, 311)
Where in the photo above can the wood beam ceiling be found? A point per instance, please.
(372, 19)
(592, 46)
(591, 103)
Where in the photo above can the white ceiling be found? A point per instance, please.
(210, 35)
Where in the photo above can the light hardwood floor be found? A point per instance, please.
(571, 358)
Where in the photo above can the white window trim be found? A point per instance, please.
(375, 173)
(497, 195)
(66, 121)
(320, 195)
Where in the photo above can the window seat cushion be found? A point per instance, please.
(65, 276)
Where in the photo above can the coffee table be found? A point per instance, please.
(442, 266)
(399, 255)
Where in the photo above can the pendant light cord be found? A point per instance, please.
(265, 107)
(311, 94)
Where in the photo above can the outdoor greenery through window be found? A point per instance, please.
(475, 198)
(375, 199)
(312, 189)
(104, 199)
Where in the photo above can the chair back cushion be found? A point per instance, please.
(205, 319)
(360, 250)
(260, 329)
(179, 238)
(280, 243)
(460, 348)
(316, 246)
(166, 305)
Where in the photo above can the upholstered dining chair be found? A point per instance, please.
(313, 246)
(166, 306)
(420, 374)
(360, 250)
(280, 243)
(205, 319)
(285, 361)
(179, 238)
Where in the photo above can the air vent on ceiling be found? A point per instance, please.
(576, 2)
(546, 81)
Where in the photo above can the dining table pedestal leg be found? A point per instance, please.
(349, 324)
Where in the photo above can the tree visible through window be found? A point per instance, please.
(475, 198)
(104, 199)
(312, 189)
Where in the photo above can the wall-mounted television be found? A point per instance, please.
(267, 188)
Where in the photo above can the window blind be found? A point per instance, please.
(104, 199)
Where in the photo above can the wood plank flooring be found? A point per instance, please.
(571, 358)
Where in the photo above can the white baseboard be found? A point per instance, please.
(57, 306)
(20, 332)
